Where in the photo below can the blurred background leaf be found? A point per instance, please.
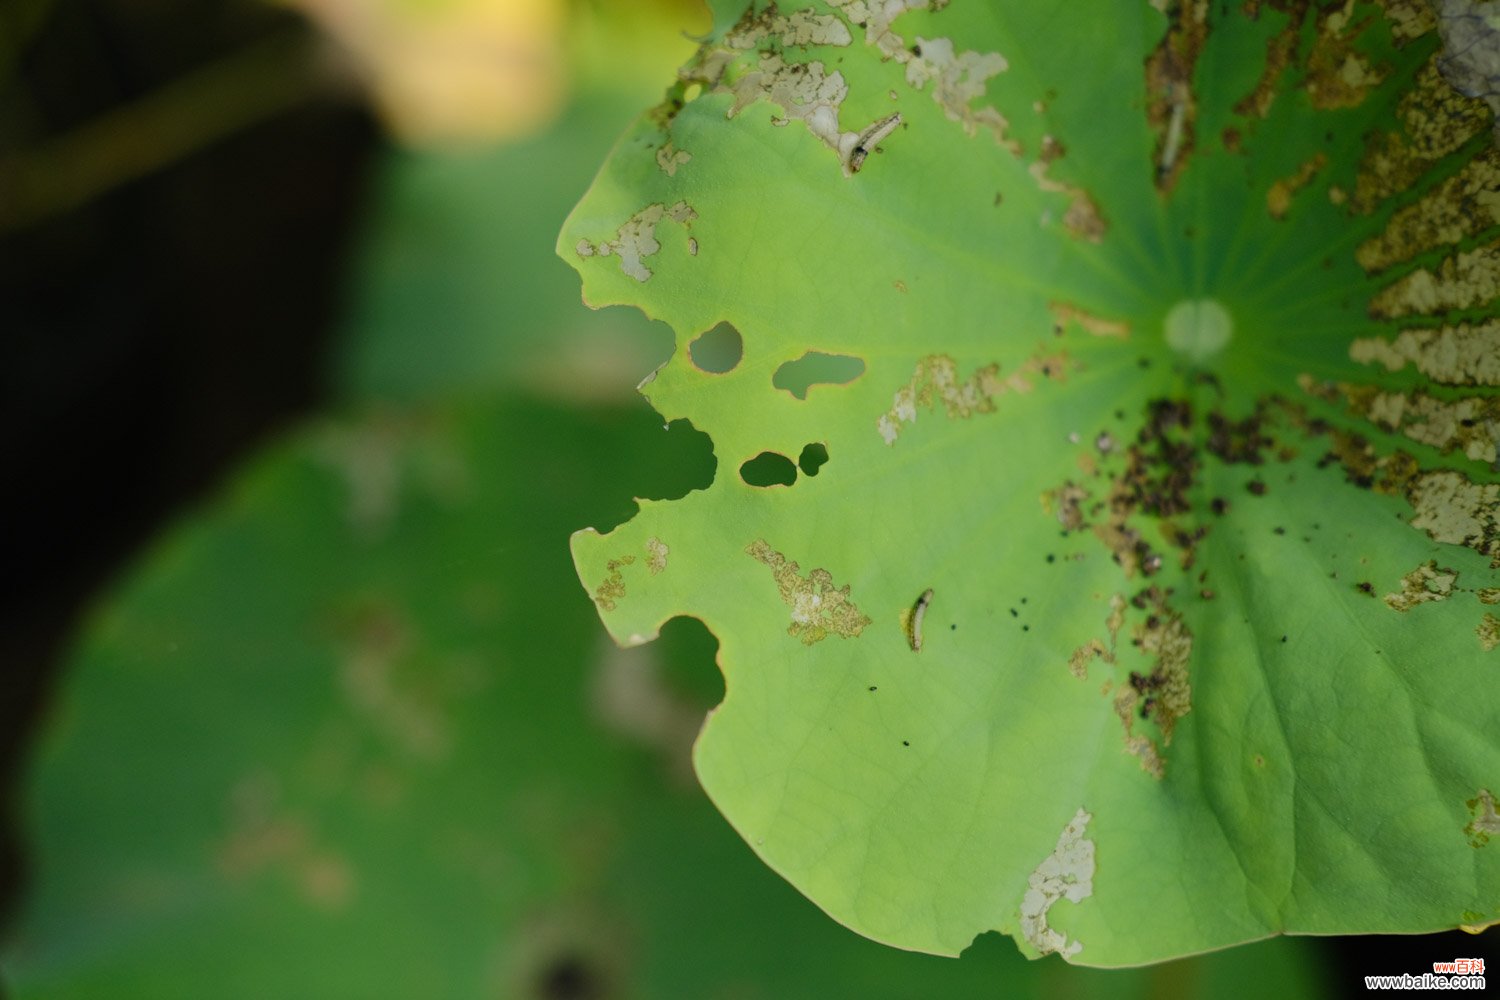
(354, 731)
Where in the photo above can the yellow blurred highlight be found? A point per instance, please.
(454, 70)
(476, 71)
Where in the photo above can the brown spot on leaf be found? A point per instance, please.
(608, 593)
(1078, 663)
(1453, 355)
(656, 555)
(1449, 507)
(1067, 501)
(1064, 314)
(403, 704)
(1484, 822)
(1338, 75)
(1279, 197)
(1434, 121)
(1171, 107)
(1488, 631)
(636, 238)
(1460, 207)
(1452, 508)
(1462, 281)
(935, 381)
(818, 608)
(1166, 638)
(1470, 425)
(265, 838)
(1408, 19)
(1280, 48)
(1082, 217)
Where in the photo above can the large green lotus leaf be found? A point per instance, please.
(1138, 606)
(353, 732)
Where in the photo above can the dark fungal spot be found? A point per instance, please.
(906, 743)
(1256, 487)
(872, 687)
(1365, 587)
(1238, 441)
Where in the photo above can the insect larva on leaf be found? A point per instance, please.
(870, 138)
(917, 614)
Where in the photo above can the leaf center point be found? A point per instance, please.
(1198, 329)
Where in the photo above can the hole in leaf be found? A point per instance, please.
(769, 469)
(813, 458)
(683, 464)
(718, 350)
(688, 654)
(817, 368)
(668, 466)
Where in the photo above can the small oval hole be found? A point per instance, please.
(817, 368)
(769, 469)
(717, 351)
(813, 458)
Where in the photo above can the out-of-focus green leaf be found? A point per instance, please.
(455, 288)
(353, 732)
